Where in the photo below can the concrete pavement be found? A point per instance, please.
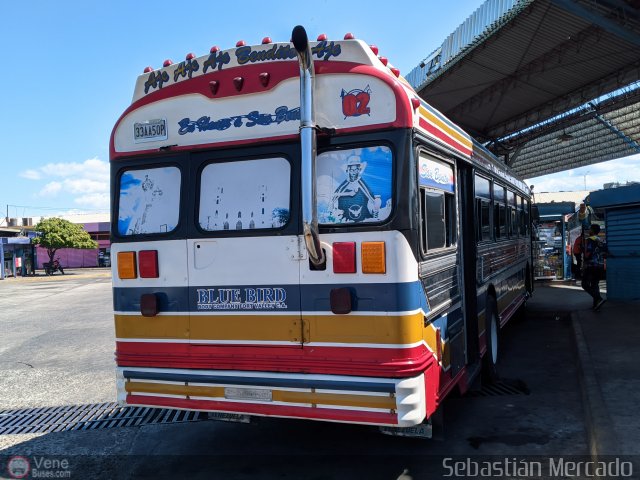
(607, 353)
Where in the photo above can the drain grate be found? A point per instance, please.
(500, 388)
(88, 417)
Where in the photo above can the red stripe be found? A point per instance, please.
(346, 416)
(370, 362)
(279, 72)
(444, 137)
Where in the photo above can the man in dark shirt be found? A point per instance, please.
(594, 251)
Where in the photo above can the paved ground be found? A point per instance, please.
(57, 349)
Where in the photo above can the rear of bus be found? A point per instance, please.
(218, 305)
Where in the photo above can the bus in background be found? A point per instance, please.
(296, 233)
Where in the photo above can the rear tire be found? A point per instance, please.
(490, 358)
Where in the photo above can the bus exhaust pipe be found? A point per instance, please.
(308, 144)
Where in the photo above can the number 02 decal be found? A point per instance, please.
(356, 102)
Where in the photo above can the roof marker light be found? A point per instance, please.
(322, 37)
(238, 82)
(374, 49)
(213, 86)
(214, 49)
(167, 62)
(384, 60)
(148, 70)
(264, 78)
(266, 40)
(240, 43)
(415, 102)
(190, 56)
(349, 36)
(395, 71)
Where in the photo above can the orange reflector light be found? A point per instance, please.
(373, 257)
(127, 265)
(148, 263)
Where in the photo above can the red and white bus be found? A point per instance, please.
(296, 233)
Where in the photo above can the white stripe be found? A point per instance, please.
(243, 342)
(359, 409)
(153, 340)
(366, 345)
(167, 395)
(293, 314)
(352, 392)
(234, 373)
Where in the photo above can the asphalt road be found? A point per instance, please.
(57, 346)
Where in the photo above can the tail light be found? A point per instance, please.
(373, 257)
(344, 257)
(438, 345)
(127, 265)
(148, 263)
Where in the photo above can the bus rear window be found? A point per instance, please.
(149, 201)
(245, 195)
(354, 185)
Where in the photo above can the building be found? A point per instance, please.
(621, 208)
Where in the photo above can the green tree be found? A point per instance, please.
(56, 233)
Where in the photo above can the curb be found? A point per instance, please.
(601, 436)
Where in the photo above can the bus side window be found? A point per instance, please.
(438, 219)
(483, 208)
(499, 212)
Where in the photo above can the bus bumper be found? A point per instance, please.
(334, 398)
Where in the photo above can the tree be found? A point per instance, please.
(56, 233)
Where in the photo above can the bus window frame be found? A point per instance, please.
(497, 233)
(232, 232)
(354, 144)
(478, 214)
(455, 224)
(129, 164)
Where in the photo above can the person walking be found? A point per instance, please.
(577, 254)
(593, 272)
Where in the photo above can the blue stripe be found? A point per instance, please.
(373, 297)
(263, 382)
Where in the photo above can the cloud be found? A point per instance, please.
(51, 189)
(99, 201)
(591, 177)
(86, 182)
(31, 175)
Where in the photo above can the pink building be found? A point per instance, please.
(78, 258)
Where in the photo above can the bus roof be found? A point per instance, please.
(251, 93)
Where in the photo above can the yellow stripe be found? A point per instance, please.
(347, 400)
(430, 117)
(400, 330)
(161, 326)
(286, 328)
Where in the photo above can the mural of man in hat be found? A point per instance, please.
(353, 197)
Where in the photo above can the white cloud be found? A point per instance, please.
(99, 201)
(31, 175)
(51, 189)
(591, 177)
(86, 182)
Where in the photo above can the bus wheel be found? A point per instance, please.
(490, 359)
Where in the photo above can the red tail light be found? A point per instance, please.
(344, 257)
(148, 263)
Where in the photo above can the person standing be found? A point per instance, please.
(593, 272)
(577, 254)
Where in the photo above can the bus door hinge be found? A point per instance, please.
(297, 249)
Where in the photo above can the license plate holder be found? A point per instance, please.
(256, 394)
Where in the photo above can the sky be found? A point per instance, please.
(70, 69)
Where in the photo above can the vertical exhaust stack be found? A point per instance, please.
(308, 143)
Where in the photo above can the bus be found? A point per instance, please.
(296, 233)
